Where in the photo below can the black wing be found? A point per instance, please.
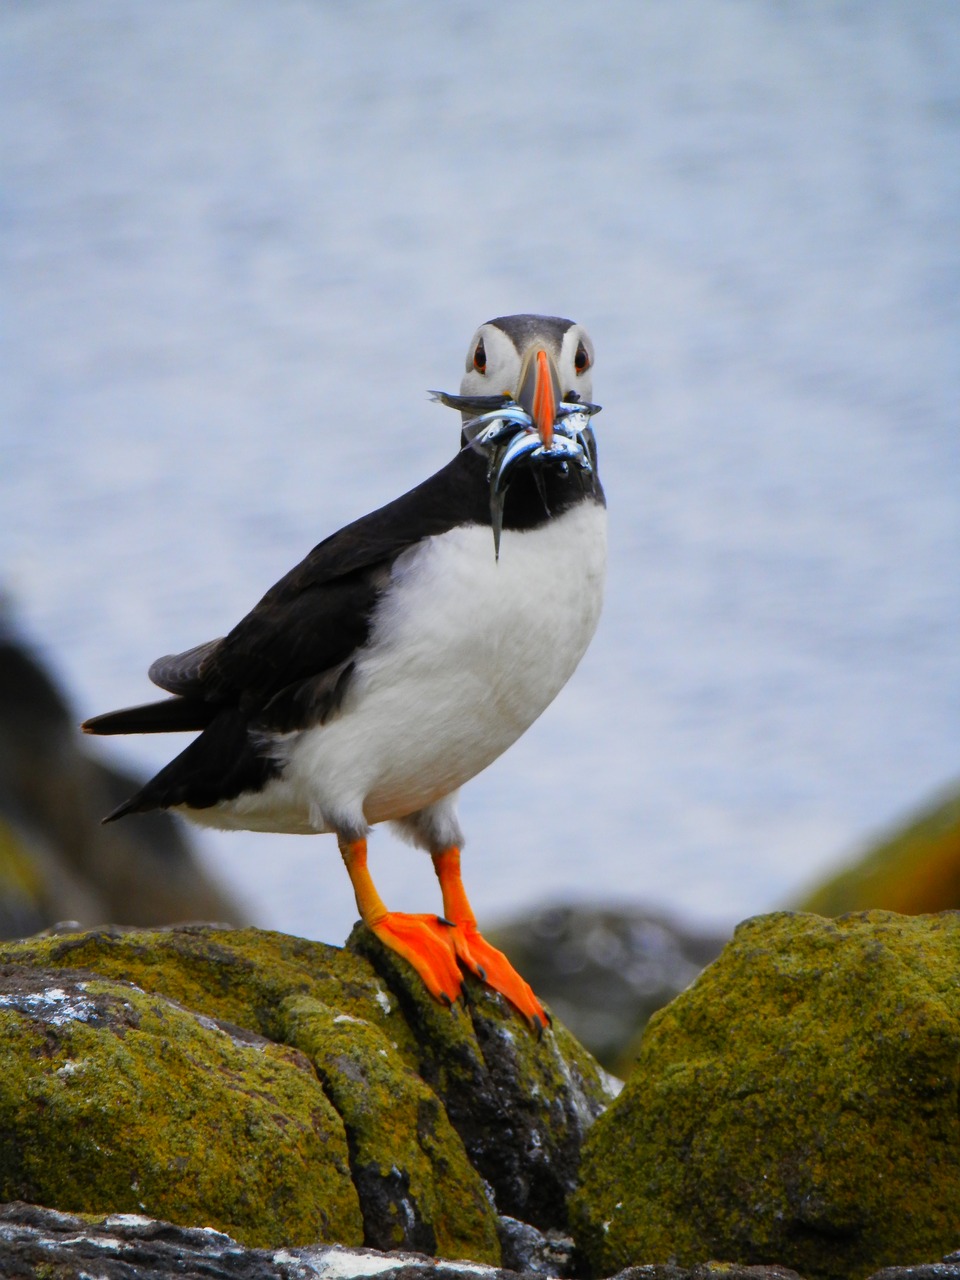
(180, 672)
(288, 662)
(311, 623)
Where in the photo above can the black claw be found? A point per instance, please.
(445, 999)
(539, 1025)
(444, 920)
(481, 973)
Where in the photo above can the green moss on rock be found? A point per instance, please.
(427, 1101)
(237, 975)
(798, 1104)
(417, 1186)
(914, 869)
(113, 1100)
(521, 1104)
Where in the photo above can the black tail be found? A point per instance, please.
(223, 762)
(172, 715)
(139, 803)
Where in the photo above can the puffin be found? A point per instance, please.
(409, 650)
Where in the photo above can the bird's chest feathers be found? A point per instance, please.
(465, 635)
(463, 655)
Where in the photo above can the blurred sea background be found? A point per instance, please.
(239, 241)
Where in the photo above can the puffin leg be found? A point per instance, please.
(424, 941)
(489, 964)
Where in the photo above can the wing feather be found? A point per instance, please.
(182, 673)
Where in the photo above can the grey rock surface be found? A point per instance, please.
(524, 1248)
(39, 1243)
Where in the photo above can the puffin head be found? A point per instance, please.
(538, 361)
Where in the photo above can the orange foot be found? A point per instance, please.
(492, 967)
(474, 952)
(427, 943)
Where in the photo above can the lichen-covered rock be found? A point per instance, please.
(430, 1102)
(708, 1271)
(115, 1100)
(522, 1105)
(240, 975)
(416, 1185)
(798, 1104)
(44, 1244)
(914, 868)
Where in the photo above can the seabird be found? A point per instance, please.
(406, 652)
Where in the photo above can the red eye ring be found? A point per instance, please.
(480, 358)
(581, 361)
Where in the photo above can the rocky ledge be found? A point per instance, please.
(799, 1102)
(282, 1091)
(207, 1102)
(40, 1243)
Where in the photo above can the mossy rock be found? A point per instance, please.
(521, 1103)
(429, 1102)
(240, 975)
(417, 1188)
(798, 1104)
(115, 1100)
(914, 869)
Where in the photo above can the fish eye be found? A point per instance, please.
(480, 358)
(581, 361)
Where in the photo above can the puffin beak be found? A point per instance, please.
(539, 391)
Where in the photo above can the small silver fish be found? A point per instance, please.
(504, 432)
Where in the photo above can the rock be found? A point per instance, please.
(605, 969)
(39, 1244)
(43, 1244)
(398, 1156)
(524, 1248)
(113, 1100)
(949, 1269)
(914, 868)
(798, 1103)
(521, 1105)
(415, 1184)
(56, 859)
(707, 1271)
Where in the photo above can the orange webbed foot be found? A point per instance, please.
(494, 969)
(426, 942)
(474, 952)
(423, 941)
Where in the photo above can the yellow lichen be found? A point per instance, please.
(163, 1123)
(114, 1100)
(797, 1104)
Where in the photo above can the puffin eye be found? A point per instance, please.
(581, 361)
(480, 358)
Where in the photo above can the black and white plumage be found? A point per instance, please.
(402, 655)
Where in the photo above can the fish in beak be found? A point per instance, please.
(534, 426)
(539, 391)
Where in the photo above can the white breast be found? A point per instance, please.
(465, 653)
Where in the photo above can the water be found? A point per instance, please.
(220, 220)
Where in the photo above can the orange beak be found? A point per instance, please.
(539, 391)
